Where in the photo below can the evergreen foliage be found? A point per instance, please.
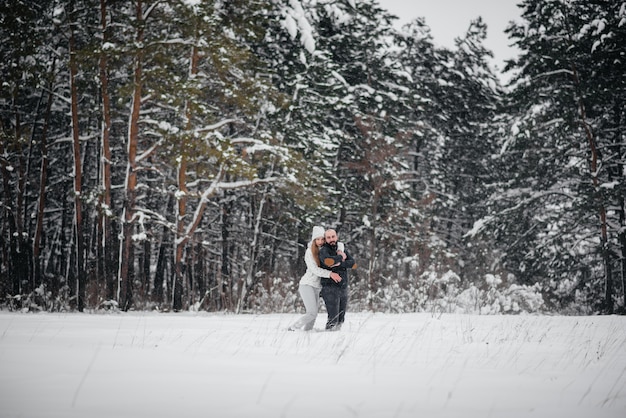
(210, 136)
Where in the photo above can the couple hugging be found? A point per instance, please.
(327, 263)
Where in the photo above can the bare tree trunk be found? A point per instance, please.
(254, 252)
(13, 284)
(181, 209)
(181, 242)
(201, 273)
(105, 247)
(31, 281)
(622, 242)
(125, 290)
(146, 262)
(223, 276)
(78, 218)
(62, 258)
(594, 156)
(5, 219)
(371, 284)
(617, 174)
(19, 260)
(164, 251)
(43, 179)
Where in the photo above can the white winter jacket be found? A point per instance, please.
(313, 271)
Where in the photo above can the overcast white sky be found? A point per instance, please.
(448, 19)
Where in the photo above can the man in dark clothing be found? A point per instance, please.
(335, 294)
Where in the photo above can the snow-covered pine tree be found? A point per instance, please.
(424, 63)
(467, 100)
(456, 104)
(557, 215)
(24, 28)
(368, 116)
(224, 146)
(299, 70)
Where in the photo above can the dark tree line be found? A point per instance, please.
(175, 155)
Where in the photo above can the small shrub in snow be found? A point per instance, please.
(499, 298)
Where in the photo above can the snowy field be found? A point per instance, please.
(214, 365)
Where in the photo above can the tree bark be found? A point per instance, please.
(9, 215)
(125, 290)
(43, 179)
(617, 174)
(181, 209)
(164, 252)
(248, 281)
(78, 219)
(224, 290)
(181, 242)
(105, 246)
(594, 156)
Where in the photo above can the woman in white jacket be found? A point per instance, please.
(310, 285)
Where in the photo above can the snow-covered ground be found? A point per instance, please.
(214, 365)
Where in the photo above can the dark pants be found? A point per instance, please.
(336, 301)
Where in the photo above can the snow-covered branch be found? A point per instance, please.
(481, 224)
(149, 10)
(148, 152)
(551, 73)
(295, 20)
(240, 184)
(215, 125)
(216, 186)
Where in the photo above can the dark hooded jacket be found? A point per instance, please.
(330, 251)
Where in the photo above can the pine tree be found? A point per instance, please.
(372, 122)
(468, 100)
(22, 32)
(553, 215)
(456, 104)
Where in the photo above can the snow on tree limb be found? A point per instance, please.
(149, 10)
(295, 20)
(216, 185)
(215, 125)
(551, 73)
(148, 152)
(481, 224)
(230, 185)
(256, 145)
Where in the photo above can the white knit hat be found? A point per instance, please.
(318, 232)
